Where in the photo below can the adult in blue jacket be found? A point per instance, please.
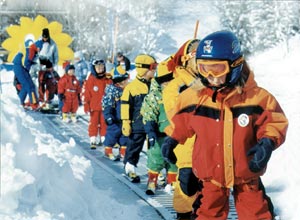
(27, 85)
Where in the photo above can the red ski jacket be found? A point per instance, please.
(93, 91)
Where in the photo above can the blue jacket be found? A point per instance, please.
(23, 76)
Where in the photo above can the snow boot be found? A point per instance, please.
(184, 216)
(101, 141)
(171, 179)
(131, 173)
(122, 151)
(93, 142)
(34, 106)
(73, 117)
(108, 152)
(152, 182)
(161, 180)
(65, 117)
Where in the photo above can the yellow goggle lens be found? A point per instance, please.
(215, 68)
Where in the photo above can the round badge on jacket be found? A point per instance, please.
(95, 88)
(243, 120)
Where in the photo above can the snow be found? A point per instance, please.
(45, 178)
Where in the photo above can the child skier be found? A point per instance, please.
(131, 103)
(155, 121)
(91, 97)
(48, 83)
(111, 105)
(237, 126)
(68, 92)
(184, 70)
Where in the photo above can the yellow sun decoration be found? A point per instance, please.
(29, 28)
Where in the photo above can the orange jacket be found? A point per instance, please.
(226, 129)
(93, 91)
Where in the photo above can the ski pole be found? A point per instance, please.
(196, 29)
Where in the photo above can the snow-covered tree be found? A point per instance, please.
(260, 24)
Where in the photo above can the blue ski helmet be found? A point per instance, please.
(223, 46)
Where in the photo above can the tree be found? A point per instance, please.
(260, 24)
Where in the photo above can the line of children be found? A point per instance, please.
(222, 130)
(111, 105)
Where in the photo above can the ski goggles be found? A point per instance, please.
(98, 62)
(152, 66)
(216, 68)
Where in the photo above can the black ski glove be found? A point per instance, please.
(151, 139)
(261, 154)
(167, 150)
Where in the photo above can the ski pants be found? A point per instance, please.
(114, 135)
(155, 161)
(135, 145)
(251, 203)
(97, 124)
(187, 185)
(30, 91)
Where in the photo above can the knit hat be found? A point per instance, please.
(69, 67)
(186, 52)
(119, 74)
(163, 73)
(45, 33)
(143, 63)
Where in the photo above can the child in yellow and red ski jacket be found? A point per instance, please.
(237, 126)
(183, 66)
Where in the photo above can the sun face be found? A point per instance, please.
(29, 28)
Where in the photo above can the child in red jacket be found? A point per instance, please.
(48, 80)
(68, 92)
(92, 93)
